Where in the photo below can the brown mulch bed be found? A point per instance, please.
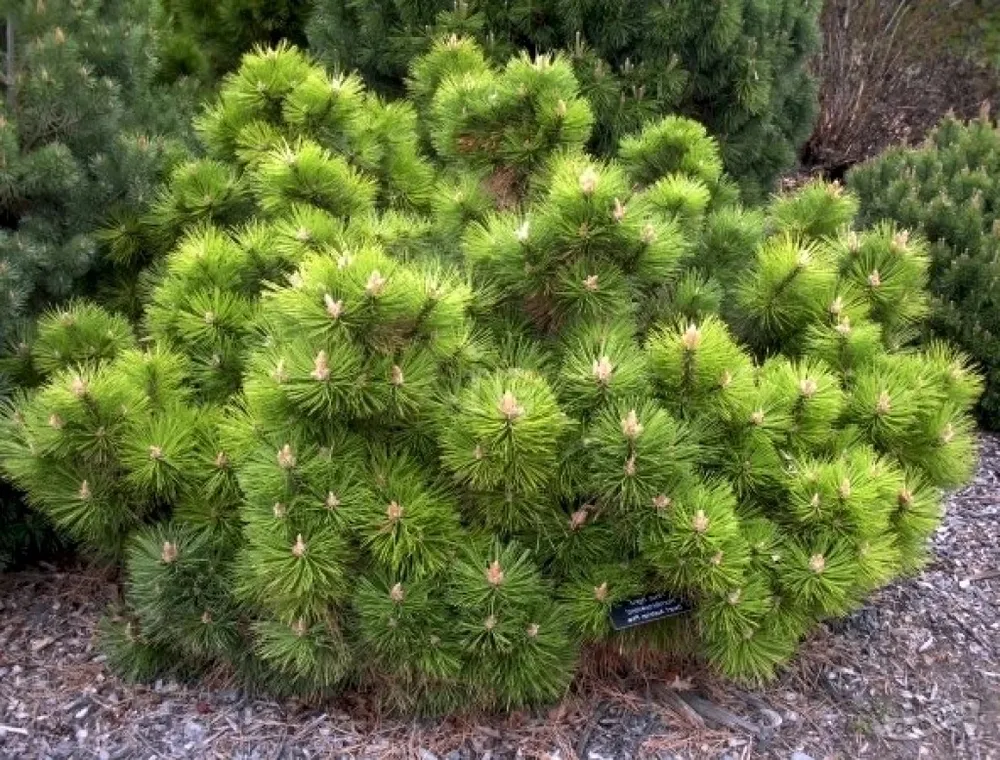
(914, 674)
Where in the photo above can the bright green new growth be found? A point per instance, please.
(415, 425)
(948, 190)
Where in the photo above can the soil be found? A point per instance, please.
(913, 674)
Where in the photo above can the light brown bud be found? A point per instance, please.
(808, 387)
(630, 466)
(661, 502)
(490, 623)
(333, 308)
(509, 407)
(78, 387)
(588, 181)
(817, 563)
(279, 510)
(494, 574)
(286, 457)
(206, 617)
(533, 630)
(875, 279)
(619, 212)
(700, 522)
(56, 422)
(691, 338)
(84, 493)
(590, 283)
(332, 502)
(169, 553)
(577, 519)
(321, 371)
(299, 547)
(631, 427)
(603, 369)
(845, 488)
(394, 511)
(376, 284)
(601, 592)
(397, 594)
(884, 404)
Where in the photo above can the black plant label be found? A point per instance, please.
(646, 609)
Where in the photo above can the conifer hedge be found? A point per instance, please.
(948, 189)
(739, 66)
(86, 136)
(419, 422)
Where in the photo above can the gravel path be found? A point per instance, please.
(915, 674)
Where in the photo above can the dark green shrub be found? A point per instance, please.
(206, 39)
(949, 190)
(740, 67)
(80, 151)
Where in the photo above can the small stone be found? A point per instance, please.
(37, 646)
(194, 731)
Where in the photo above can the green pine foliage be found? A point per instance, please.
(949, 190)
(738, 66)
(85, 138)
(418, 401)
(206, 39)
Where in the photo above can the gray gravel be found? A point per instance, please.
(914, 674)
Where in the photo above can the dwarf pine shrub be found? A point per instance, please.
(421, 423)
(948, 190)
